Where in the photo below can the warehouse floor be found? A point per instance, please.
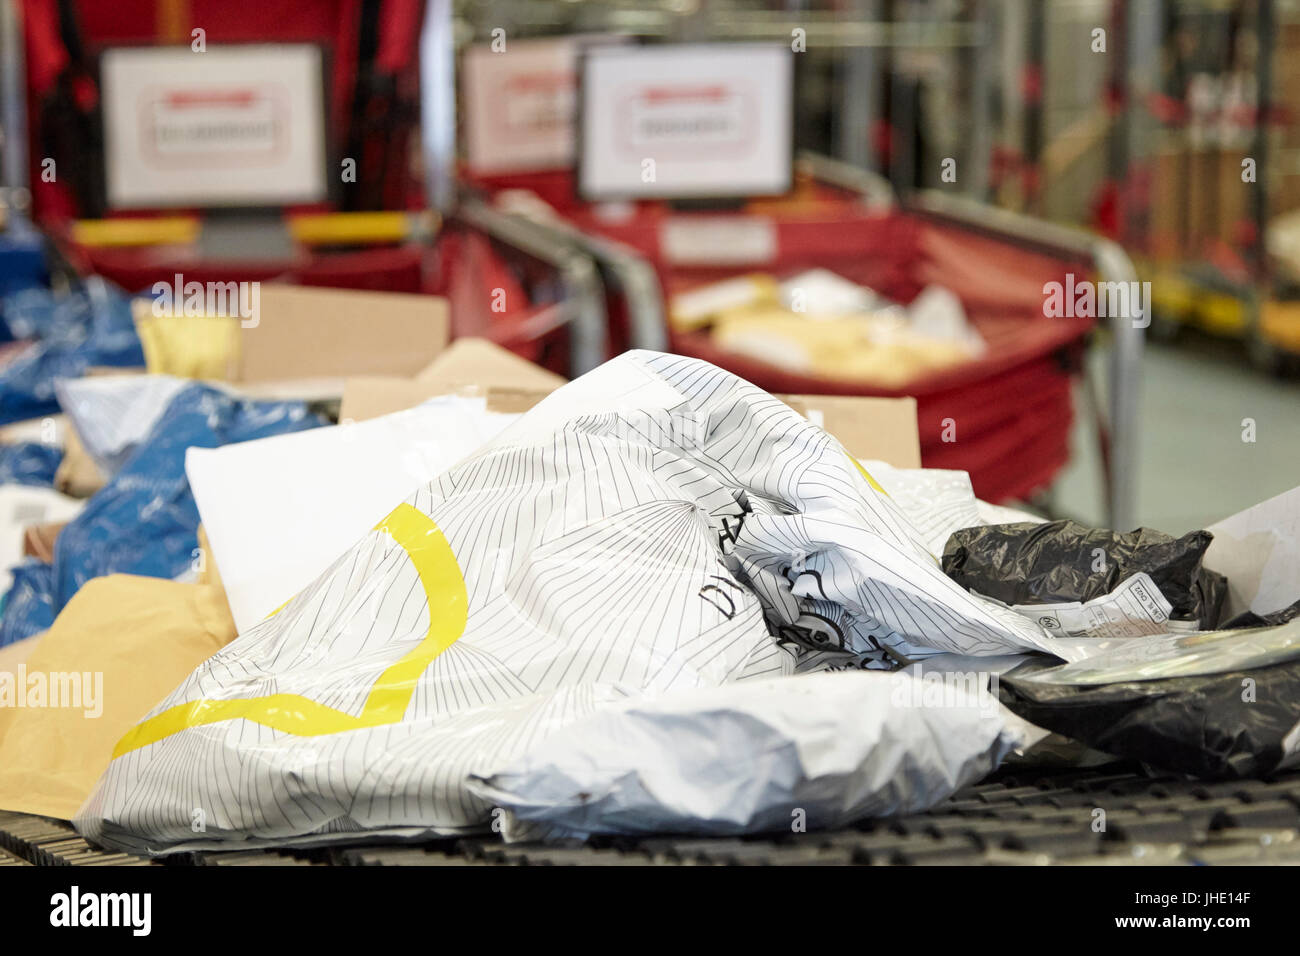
(1194, 466)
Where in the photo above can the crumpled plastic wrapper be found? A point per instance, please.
(1063, 561)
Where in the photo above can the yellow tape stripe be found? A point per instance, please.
(279, 609)
(863, 472)
(444, 588)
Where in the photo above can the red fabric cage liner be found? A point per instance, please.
(1011, 410)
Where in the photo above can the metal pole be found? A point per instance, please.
(980, 150)
(1034, 79)
(1118, 145)
(1265, 31)
(859, 91)
(13, 110)
(1128, 331)
(1128, 338)
(583, 298)
(438, 104)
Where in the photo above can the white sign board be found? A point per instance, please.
(718, 240)
(690, 120)
(519, 105)
(229, 126)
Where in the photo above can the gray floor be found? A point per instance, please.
(1194, 466)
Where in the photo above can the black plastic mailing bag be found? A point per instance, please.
(1251, 619)
(1217, 717)
(1028, 564)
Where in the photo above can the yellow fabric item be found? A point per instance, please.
(698, 308)
(11, 655)
(875, 350)
(189, 346)
(144, 636)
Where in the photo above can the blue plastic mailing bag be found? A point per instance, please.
(22, 265)
(29, 604)
(91, 326)
(144, 521)
(29, 463)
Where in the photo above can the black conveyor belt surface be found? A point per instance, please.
(1015, 817)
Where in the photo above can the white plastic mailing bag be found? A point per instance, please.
(817, 751)
(279, 510)
(937, 502)
(112, 414)
(20, 507)
(656, 525)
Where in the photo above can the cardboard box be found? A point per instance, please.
(1202, 200)
(869, 427)
(300, 334)
(1286, 74)
(305, 332)
(306, 342)
(467, 364)
(1168, 213)
(883, 429)
(1234, 198)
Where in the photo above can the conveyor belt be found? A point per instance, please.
(1014, 818)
